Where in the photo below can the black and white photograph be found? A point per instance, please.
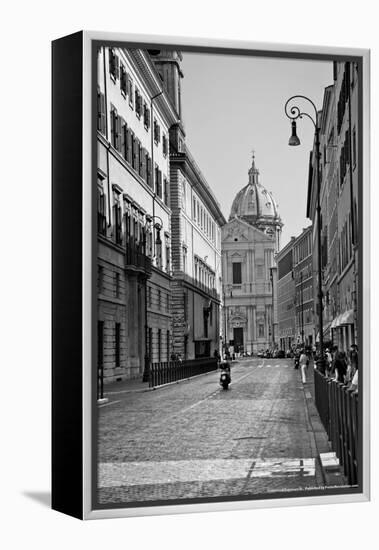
(228, 291)
(190, 304)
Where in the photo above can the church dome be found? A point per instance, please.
(254, 204)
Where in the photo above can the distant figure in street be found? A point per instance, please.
(217, 355)
(339, 365)
(304, 362)
(328, 363)
(231, 353)
(354, 383)
(353, 362)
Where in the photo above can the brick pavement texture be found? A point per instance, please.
(264, 415)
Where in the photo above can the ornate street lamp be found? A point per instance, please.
(293, 112)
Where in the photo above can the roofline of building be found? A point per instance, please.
(199, 182)
(289, 246)
(142, 62)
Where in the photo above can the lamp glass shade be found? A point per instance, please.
(294, 140)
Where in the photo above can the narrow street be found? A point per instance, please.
(195, 440)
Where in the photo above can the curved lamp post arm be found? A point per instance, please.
(294, 112)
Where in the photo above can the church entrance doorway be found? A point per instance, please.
(238, 338)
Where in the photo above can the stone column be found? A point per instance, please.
(254, 331)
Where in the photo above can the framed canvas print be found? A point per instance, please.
(210, 275)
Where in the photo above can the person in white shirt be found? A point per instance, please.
(304, 362)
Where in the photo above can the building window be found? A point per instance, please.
(158, 181)
(166, 192)
(142, 161)
(146, 116)
(117, 219)
(157, 132)
(184, 259)
(168, 345)
(159, 345)
(130, 92)
(123, 80)
(118, 345)
(138, 103)
(115, 129)
(124, 150)
(148, 164)
(158, 248)
(159, 300)
(237, 273)
(150, 343)
(113, 64)
(101, 212)
(168, 263)
(164, 145)
(101, 121)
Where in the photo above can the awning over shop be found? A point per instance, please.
(335, 322)
(347, 317)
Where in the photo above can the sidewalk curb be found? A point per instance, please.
(329, 478)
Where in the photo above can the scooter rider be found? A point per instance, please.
(225, 377)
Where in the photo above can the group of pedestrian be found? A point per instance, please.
(342, 367)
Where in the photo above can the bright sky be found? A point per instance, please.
(232, 105)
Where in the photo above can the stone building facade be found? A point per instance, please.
(304, 294)
(196, 219)
(339, 162)
(250, 240)
(287, 334)
(133, 214)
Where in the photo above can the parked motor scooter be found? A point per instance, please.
(225, 377)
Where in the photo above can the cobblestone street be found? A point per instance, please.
(195, 440)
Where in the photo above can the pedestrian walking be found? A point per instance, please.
(353, 362)
(231, 352)
(339, 365)
(328, 361)
(304, 362)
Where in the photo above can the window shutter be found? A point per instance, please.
(135, 153)
(116, 67)
(149, 168)
(129, 141)
(113, 115)
(118, 145)
(110, 54)
(123, 138)
(102, 110)
(98, 110)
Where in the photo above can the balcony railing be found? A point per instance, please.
(135, 258)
